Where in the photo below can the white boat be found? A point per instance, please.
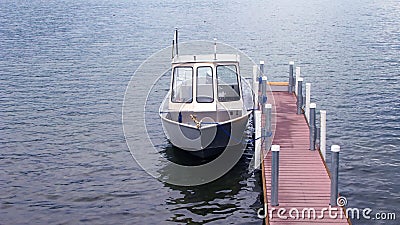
(204, 111)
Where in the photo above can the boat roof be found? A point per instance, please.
(212, 58)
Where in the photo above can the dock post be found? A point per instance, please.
(263, 93)
(291, 79)
(260, 76)
(313, 126)
(261, 68)
(308, 101)
(299, 95)
(297, 78)
(275, 175)
(263, 110)
(268, 126)
(257, 144)
(335, 149)
(322, 137)
(255, 87)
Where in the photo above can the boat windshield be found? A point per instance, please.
(205, 93)
(182, 85)
(228, 84)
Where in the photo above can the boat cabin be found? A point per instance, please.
(205, 86)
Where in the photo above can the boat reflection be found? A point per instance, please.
(237, 190)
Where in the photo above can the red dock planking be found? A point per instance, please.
(304, 182)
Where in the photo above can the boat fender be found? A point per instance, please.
(264, 99)
(180, 117)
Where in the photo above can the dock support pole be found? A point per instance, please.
(313, 126)
(263, 93)
(308, 101)
(299, 95)
(255, 87)
(260, 76)
(275, 175)
(335, 149)
(322, 137)
(268, 127)
(261, 68)
(291, 79)
(297, 78)
(257, 144)
(263, 111)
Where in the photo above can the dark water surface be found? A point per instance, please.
(64, 67)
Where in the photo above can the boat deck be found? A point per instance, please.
(304, 181)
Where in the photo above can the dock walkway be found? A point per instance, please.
(304, 182)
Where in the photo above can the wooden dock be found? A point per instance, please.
(304, 182)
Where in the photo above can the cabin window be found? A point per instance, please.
(182, 85)
(205, 93)
(228, 84)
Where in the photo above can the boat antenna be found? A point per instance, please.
(215, 49)
(176, 40)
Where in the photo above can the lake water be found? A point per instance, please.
(64, 67)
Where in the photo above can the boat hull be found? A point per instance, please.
(209, 140)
